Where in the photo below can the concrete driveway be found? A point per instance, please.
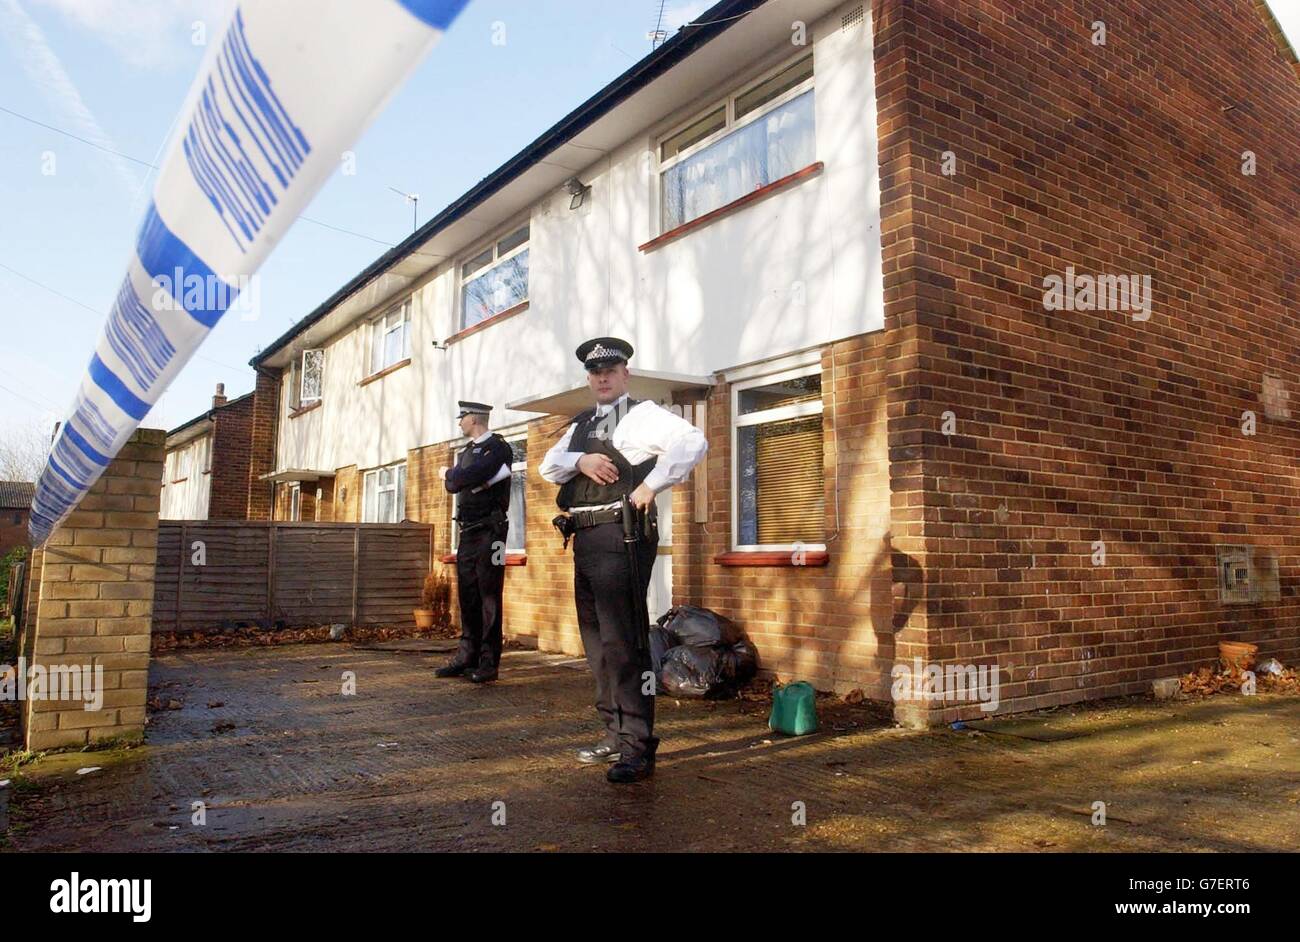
(282, 760)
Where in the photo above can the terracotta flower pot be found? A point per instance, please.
(424, 618)
(1238, 655)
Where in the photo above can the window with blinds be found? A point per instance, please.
(780, 494)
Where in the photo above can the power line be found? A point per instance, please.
(99, 313)
(40, 405)
(151, 166)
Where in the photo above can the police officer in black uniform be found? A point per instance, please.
(482, 480)
(621, 448)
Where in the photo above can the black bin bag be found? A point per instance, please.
(693, 671)
(699, 627)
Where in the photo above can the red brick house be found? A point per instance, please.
(1023, 306)
(15, 508)
(206, 472)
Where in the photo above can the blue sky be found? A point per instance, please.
(116, 71)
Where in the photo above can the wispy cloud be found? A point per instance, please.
(145, 34)
(46, 71)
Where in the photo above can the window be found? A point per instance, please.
(295, 502)
(518, 485)
(777, 441)
(383, 497)
(763, 133)
(313, 374)
(390, 338)
(496, 279)
(515, 542)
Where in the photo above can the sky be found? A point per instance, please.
(115, 72)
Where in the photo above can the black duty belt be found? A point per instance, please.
(584, 519)
(466, 526)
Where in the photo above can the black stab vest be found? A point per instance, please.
(594, 434)
(471, 507)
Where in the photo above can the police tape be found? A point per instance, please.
(278, 100)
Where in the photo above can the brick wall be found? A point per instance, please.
(262, 437)
(13, 529)
(828, 624)
(1083, 426)
(96, 601)
(232, 447)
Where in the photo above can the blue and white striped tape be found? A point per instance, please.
(289, 88)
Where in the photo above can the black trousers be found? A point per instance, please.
(480, 580)
(602, 591)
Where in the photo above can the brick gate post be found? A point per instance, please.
(93, 618)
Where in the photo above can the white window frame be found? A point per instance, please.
(184, 464)
(303, 398)
(295, 503)
(497, 259)
(731, 126)
(378, 330)
(764, 417)
(399, 485)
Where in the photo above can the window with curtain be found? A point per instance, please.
(496, 279)
(779, 479)
(313, 376)
(757, 136)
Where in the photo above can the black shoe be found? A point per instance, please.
(481, 675)
(593, 755)
(451, 669)
(631, 770)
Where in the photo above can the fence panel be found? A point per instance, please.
(213, 574)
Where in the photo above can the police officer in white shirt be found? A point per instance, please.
(482, 480)
(621, 447)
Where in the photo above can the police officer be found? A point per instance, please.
(622, 447)
(482, 479)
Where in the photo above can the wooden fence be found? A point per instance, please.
(220, 574)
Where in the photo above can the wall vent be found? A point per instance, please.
(851, 20)
(1247, 575)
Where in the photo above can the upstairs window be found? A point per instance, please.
(390, 338)
(313, 376)
(496, 279)
(764, 132)
(777, 441)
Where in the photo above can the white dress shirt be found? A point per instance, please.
(646, 431)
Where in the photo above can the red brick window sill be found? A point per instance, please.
(487, 322)
(776, 186)
(512, 559)
(774, 559)
(385, 371)
(303, 410)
